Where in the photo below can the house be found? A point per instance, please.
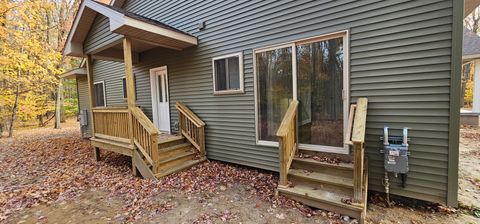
(471, 55)
(225, 74)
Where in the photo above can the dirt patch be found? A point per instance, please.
(90, 207)
(377, 214)
(469, 170)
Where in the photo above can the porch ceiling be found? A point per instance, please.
(145, 32)
(469, 6)
(114, 50)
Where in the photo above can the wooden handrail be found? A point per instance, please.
(192, 116)
(110, 109)
(358, 124)
(144, 121)
(287, 140)
(145, 136)
(191, 127)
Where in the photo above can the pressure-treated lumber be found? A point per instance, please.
(360, 120)
(91, 92)
(287, 140)
(141, 166)
(358, 139)
(191, 127)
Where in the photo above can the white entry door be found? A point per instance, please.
(160, 101)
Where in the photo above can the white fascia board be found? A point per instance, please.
(116, 18)
(68, 49)
(73, 49)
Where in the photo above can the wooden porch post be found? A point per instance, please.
(127, 57)
(91, 93)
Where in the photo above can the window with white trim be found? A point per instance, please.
(100, 100)
(228, 74)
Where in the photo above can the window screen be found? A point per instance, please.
(228, 74)
(99, 94)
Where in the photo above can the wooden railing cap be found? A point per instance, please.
(289, 115)
(144, 121)
(187, 112)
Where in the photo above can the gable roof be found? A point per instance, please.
(126, 23)
(471, 44)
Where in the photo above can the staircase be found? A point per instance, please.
(158, 154)
(338, 187)
(175, 154)
(323, 185)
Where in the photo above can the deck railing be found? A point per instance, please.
(191, 127)
(145, 135)
(287, 140)
(110, 123)
(357, 124)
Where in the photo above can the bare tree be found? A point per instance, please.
(472, 21)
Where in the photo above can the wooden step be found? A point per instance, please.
(174, 150)
(321, 178)
(170, 140)
(312, 162)
(183, 166)
(174, 161)
(340, 169)
(176, 157)
(329, 199)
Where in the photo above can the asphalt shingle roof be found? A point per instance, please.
(471, 42)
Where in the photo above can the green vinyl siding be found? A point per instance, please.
(83, 103)
(400, 58)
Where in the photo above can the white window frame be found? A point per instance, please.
(345, 96)
(240, 75)
(104, 93)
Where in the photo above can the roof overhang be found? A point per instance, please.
(75, 73)
(469, 6)
(145, 32)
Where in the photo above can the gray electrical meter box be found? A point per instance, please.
(395, 151)
(83, 117)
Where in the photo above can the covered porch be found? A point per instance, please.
(127, 130)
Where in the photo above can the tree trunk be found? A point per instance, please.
(58, 106)
(14, 110)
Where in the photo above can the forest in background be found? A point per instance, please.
(32, 36)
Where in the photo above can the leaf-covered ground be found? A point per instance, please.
(49, 176)
(48, 171)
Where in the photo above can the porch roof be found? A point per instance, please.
(145, 32)
(74, 73)
(469, 6)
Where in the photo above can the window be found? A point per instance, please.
(311, 71)
(124, 86)
(100, 100)
(228, 74)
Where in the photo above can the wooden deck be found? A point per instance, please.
(154, 154)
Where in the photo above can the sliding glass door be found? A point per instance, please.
(275, 89)
(311, 71)
(320, 86)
